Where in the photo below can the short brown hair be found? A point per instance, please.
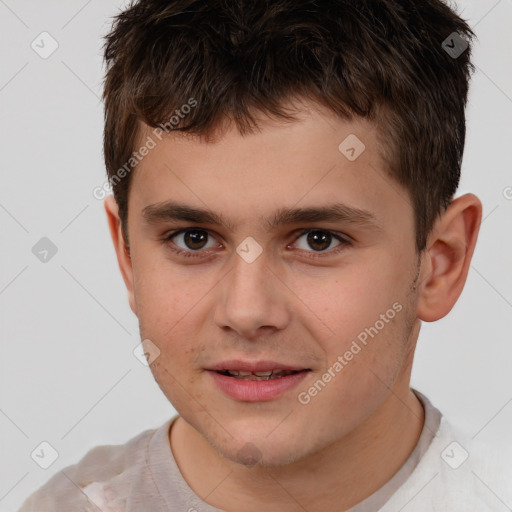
(383, 60)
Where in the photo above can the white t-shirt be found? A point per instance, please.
(446, 472)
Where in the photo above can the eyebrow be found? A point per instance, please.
(170, 211)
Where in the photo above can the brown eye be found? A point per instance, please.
(192, 239)
(195, 239)
(318, 239)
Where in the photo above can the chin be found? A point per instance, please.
(252, 448)
(252, 441)
(257, 455)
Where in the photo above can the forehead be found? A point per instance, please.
(319, 159)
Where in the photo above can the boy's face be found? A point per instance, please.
(287, 305)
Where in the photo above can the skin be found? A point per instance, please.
(353, 436)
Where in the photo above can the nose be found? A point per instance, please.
(252, 299)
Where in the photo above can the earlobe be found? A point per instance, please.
(120, 246)
(446, 261)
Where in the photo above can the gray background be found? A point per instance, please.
(68, 373)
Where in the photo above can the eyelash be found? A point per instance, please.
(344, 242)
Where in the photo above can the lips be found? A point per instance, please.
(254, 388)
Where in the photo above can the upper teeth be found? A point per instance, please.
(237, 373)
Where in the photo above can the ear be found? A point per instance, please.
(446, 260)
(121, 248)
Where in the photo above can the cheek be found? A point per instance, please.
(171, 314)
(364, 361)
(167, 294)
(340, 305)
(362, 318)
